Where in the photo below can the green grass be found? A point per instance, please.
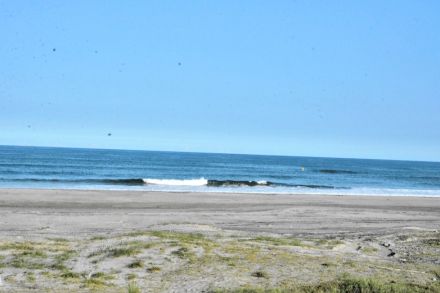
(67, 274)
(184, 237)
(128, 249)
(141, 244)
(30, 277)
(436, 272)
(230, 261)
(433, 242)
(61, 258)
(116, 252)
(28, 246)
(98, 237)
(184, 253)
(21, 262)
(343, 285)
(369, 250)
(98, 280)
(38, 255)
(123, 251)
(328, 243)
(97, 275)
(246, 253)
(133, 288)
(261, 262)
(46, 274)
(59, 266)
(153, 269)
(279, 241)
(137, 234)
(131, 276)
(58, 239)
(95, 283)
(17, 246)
(33, 253)
(65, 255)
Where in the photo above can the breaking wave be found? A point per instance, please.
(239, 183)
(177, 182)
(171, 182)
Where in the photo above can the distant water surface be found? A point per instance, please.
(69, 168)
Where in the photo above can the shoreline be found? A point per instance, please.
(228, 192)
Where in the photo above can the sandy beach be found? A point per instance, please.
(74, 213)
(192, 242)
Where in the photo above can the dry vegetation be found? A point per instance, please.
(160, 261)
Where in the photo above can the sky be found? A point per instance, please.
(307, 78)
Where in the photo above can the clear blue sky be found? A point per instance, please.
(316, 78)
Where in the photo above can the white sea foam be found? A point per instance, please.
(177, 182)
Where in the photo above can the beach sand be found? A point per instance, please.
(73, 240)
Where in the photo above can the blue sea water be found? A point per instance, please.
(70, 168)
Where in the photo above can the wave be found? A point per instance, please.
(239, 183)
(177, 182)
(133, 181)
(334, 171)
(316, 186)
(170, 182)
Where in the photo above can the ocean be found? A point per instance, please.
(74, 168)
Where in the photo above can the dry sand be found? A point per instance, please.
(72, 213)
(289, 238)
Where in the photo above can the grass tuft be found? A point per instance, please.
(133, 288)
(279, 241)
(97, 237)
(183, 253)
(98, 280)
(260, 274)
(67, 274)
(153, 269)
(20, 262)
(30, 277)
(369, 250)
(329, 243)
(136, 264)
(123, 251)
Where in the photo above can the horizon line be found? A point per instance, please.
(219, 153)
